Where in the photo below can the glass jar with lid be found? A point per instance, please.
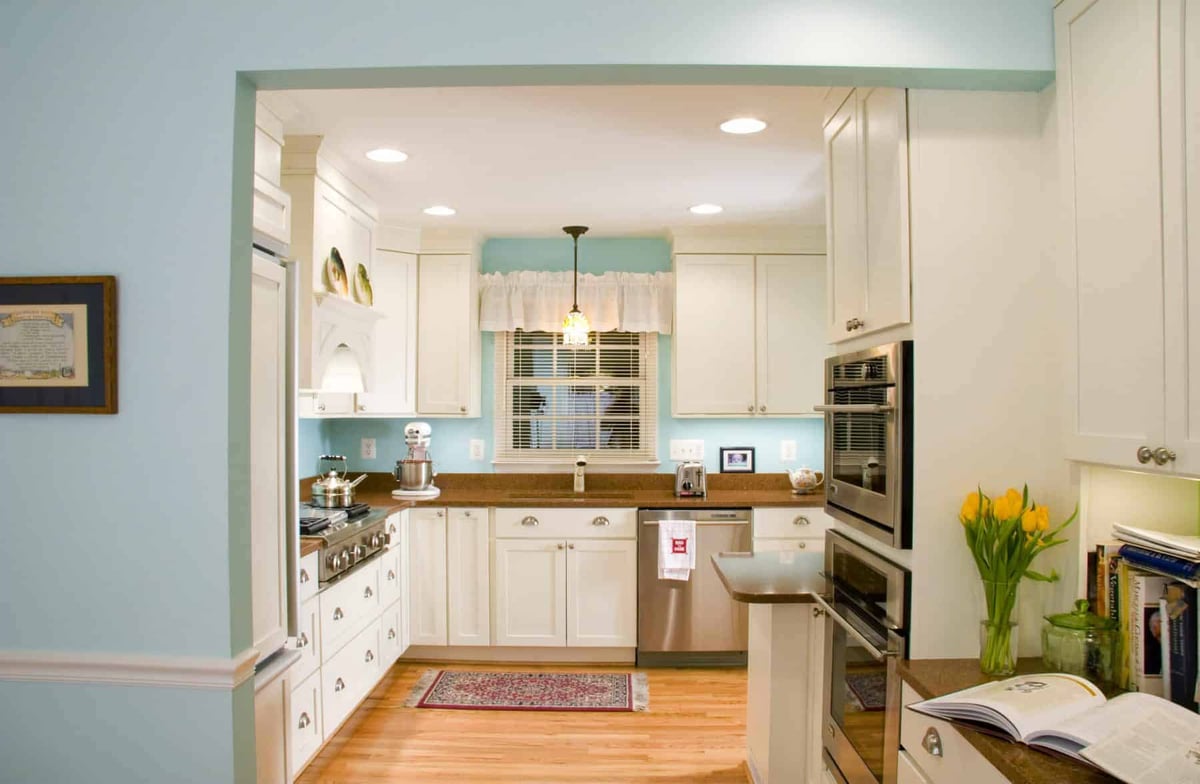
(1081, 643)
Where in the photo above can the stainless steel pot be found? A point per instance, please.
(414, 474)
(333, 490)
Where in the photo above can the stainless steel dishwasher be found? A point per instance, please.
(694, 622)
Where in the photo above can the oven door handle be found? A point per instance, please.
(855, 633)
(855, 408)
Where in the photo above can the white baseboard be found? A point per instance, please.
(189, 672)
(531, 655)
(753, 771)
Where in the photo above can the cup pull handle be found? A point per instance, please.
(339, 685)
(529, 520)
(304, 720)
(338, 614)
(932, 742)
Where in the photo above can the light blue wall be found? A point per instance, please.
(123, 154)
(313, 440)
(596, 255)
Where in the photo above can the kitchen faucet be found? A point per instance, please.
(580, 466)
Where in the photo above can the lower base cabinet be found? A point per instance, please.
(530, 592)
(305, 733)
(270, 733)
(956, 759)
(602, 593)
(349, 676)
(391, 634)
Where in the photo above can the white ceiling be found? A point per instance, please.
(525, 161)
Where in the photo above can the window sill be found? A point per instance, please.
(560, 467)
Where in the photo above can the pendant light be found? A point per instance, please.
(575, 325)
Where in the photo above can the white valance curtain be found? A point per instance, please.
(626, 301)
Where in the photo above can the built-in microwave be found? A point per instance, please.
(868, 441)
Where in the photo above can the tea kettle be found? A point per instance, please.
(334, 490)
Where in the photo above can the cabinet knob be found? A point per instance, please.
(368, 593)
(854, 323)
(932, 742)
(462, 409)
(801, 520)
(801, 545)
(304, 720)
(370, 657)
(762, 409)
(391, 575)
(1145, 454)
(467, 513)
(529, 520)
(302, 640)
(1162, 456)
(338, 614)
(571, 546)
(439, 514)
(339, 685)
(361, 407)
(320, 406)
(560, 545)
(391, 634)
(750, 408)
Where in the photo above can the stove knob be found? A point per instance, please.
(333, 561)
(360, 551)
(347, 556)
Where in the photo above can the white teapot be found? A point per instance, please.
(806, 480)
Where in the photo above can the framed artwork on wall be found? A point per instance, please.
(58, 345)
(737, 460)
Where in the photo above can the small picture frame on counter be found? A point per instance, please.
(737, 460)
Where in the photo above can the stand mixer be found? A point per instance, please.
(415, 472)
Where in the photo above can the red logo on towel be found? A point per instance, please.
(679, 546)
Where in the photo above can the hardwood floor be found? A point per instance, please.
(694, 732)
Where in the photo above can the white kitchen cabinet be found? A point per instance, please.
(391, 634)
(713, 345)
(391, 574)
(448, 341)
(270, 728)
(468, 584)
(1127, 157)
(304, 727)
(760, 320)
(601, 592)
(427, 611)
(308, 639)
(392, 388)
(348, 677)
(268, 455)
(956, 760)
(797, 529)
(867, 213)
(346, 606)
(530, 588)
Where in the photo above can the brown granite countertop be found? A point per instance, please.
(785, 577)
(309, 545)
(1017, 762)
(643, 491)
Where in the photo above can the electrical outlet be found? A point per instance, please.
(477, 447)
(368, 449)
(787, 450)
(687, 449)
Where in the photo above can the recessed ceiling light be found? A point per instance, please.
(743, 125)
(439, 209)
(706, 209)
(387, 155)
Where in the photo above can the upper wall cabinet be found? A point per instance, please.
(394, 352)
(749, 334)
(448, 341)
(1128, 116)
(867, 224)
(329, 212)
(272, 209)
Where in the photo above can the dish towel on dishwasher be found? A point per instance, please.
(676, 549)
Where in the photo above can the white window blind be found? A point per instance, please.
(554, 402)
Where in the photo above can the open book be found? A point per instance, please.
(1136, 737)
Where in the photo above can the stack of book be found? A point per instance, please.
(1146, 581)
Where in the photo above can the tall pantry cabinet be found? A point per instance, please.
(1129, 115)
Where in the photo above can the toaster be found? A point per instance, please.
(690, 479)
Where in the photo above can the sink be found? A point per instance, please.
(553, 495)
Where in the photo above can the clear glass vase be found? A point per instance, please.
(998, 629)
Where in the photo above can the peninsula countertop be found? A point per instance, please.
(785, 577)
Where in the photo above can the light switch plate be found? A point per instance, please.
(687, 449)
(787, 450)
(477, 447)
(368, 449)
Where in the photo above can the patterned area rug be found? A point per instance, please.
(531, 691)
(869, 688)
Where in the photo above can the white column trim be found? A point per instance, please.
(189, 672)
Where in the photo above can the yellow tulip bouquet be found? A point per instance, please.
(1005, 536)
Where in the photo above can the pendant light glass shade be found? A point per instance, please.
(575, 326)
(342, 373)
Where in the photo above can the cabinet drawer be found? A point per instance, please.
(305, 722)
(389, 577)
(806, 545)
(959, 761)
(390, 634)
(347, 607)
(308, 640)
(907, 771)
(348, 677)
(791, 522)
(306, 579)
(551, 523)
(393, 530)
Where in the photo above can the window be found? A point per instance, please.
(554, 402)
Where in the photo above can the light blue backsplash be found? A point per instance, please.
(451, 436)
